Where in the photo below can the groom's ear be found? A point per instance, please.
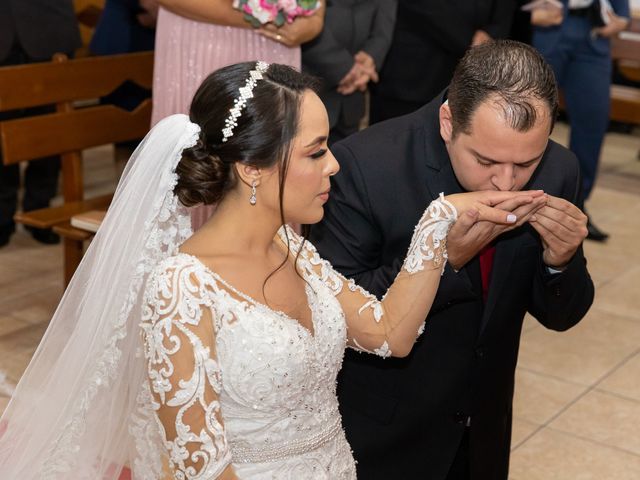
(248, 173)
(446, 122)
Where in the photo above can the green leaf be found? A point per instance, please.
(308, 4)
(255, 23)
(280, 19)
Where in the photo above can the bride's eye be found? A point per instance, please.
(319, 154)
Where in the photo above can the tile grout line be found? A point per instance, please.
(589, 388)
(554, 377)
(606, 282)
(617, 395)
(603, 309)
(595, 442)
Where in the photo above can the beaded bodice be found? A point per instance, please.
(234, 382)
(275, 379)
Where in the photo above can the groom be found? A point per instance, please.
(445, 411)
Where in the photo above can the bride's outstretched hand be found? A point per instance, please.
(482, 216)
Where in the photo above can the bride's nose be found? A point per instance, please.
(333, 166)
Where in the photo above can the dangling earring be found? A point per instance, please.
(252, 199)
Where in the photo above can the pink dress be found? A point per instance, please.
(187, 51)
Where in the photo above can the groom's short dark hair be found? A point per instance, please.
(513, 74)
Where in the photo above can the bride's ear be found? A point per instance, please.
(248, 174)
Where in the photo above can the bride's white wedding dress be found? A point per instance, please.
(276, 413)
(257, 389)
(153, 363)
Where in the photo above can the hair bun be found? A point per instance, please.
(202, 176)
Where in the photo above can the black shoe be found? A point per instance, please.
(594, 233)
(44, 235)
(5, 235)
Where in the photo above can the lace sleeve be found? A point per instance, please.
(183, 373)
(390, 326)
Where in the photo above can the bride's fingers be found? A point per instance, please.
(521, 201)
(496, 215)
(492, 198)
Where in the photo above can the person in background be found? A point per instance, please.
(347, 55)
(125, 26)
(32, 31)
(429, 38)
(196, 37)
(575, 40)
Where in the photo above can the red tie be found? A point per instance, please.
(486, 264)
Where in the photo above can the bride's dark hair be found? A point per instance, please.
(262, 138)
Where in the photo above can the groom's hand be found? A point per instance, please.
(468, 235)
(562, 227)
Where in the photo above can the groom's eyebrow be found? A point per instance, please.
(317, 141)
(487, 159)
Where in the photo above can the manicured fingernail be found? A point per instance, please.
(511, 218)
(532, 218)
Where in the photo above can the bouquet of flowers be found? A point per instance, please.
(260, 12)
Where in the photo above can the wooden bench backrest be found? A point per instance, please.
(67, 132)
(625, 49)
(626, 45)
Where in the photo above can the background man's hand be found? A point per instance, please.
(368, 64)
(356, 79)
(546, 16)
(480, 37)
(616, 25)
(149, 17)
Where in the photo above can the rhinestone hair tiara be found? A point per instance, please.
(239, 103)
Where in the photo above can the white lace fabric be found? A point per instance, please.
(218, 359)
(73, 413)
(218, 379)
(393, 323)
(234, 382)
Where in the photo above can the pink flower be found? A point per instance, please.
(288, 6)
(266, 11)
(271, 7)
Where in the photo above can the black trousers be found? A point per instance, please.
(41, 176)
(460, 468)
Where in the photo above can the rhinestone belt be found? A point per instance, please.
(242, 453)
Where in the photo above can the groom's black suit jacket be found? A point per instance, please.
(405, 417)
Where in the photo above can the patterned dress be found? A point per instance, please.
(234, 382)
(187, 51)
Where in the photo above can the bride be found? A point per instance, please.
(214, 354)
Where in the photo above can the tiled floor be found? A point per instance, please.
(577, 405)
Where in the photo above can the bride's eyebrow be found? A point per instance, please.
(317, 141)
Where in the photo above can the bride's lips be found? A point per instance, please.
(324, 196)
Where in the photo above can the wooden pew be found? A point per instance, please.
(625, 50)
(70, 129)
